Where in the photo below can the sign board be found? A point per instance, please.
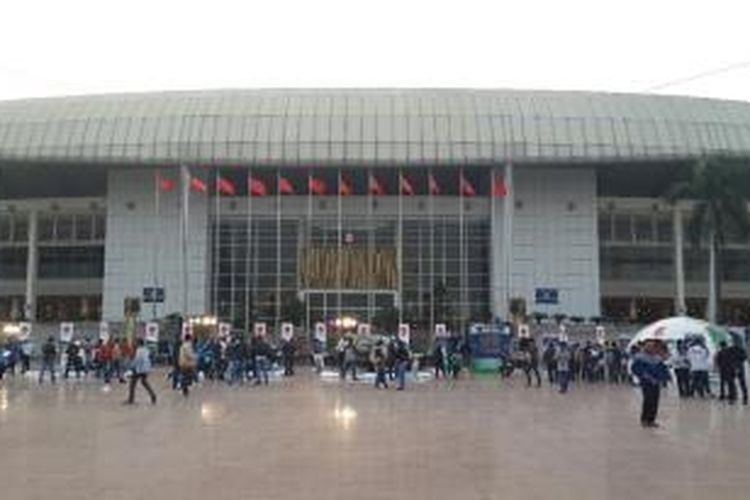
(187, 329)
(153, 295)
(320, 332)
(601, 334)
(104, 331)
(441, 330)
(524, 332)
(66, 332)
(562, 334)
(363, 329)
(24, 330)
(152, 331)
(259, 329)
(287, 331)
(225, 329)
(404, 332)
(546, 296)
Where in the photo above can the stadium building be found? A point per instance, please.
(436, 205)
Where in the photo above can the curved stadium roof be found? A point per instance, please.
(369, 126)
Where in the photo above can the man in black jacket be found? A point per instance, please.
(739, 356)
(726, 364)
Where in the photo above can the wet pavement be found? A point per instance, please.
(300, 438)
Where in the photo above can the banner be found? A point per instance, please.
(225, 329)
(187, 329)
(441, 330)
(404, 332)
(104, 331)
(66, 332)
(152, 332)
(363, 329)
(320, 332)
(24, 331)
(287, 331)
(259, 329)
(601, 334)
(524, 332)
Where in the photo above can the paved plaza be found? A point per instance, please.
(302, 439)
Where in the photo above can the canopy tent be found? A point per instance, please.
(670, 330)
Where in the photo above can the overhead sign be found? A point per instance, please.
(153, 295)
(546, 296)
(287, 331)
(320, 332)
(66, 332)
(259, 329)
(404, 332)
(152, 331)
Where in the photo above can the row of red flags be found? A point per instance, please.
(317, 186)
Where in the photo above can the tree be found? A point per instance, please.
(719, 210)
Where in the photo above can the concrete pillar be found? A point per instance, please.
(32, 263)
(15, 309)
(85, 309)
(680, 305)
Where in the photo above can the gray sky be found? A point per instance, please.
(56, 47)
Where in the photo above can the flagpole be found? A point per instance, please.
(308, 243)
(248, 248)
(157, 233)
(461, 256)
(432, 252)
(370, 257)
(508, 208)
(277, 312)
(217, 230)
(340, 246)
(185, 174)
(400, 248)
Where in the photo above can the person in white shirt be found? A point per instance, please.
(700, 364)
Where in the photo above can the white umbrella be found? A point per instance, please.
(670, 330)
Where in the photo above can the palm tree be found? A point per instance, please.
(719, 209)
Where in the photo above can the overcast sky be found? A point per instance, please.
(59, 47)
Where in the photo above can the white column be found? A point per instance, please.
(32, 262)
(712, 306)
(679, 304)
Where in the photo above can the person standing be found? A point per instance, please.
(261, 359)
(652, 372)
(725, 363)
(141, 369)
(403, 356)
(27, 349)
(700, 363)
(440, 355)
(739, 357)
(550, 364)
(681, 365)
(49, 355)
(562, 361)
(350, 359)
(318, 349)
(378, 359)
(288, 352)
(532, 363)
(187, 363)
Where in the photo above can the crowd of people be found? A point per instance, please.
(236, 359)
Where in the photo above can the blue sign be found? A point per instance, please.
(153, 295)
(546, 296)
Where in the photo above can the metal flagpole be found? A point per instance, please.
(308, 247)
(508, 209)
(370, 257)
(157, 233)
(432, 253)
(400, 248)
(277, 312)
(340, 246)
(217, 230)
(248, 239)
(185, 175)
(461, 256)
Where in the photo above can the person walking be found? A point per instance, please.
(378, 358)
(288, 351)
(562, 361)
(440, 357)
(726, 364)
(681, 365)
(49, 355)
(261, 358)
(350, 359)
(700, 363)
(550, 363)
(141, 369)
(531, 363)
(649, 367)
(403, 356)
(739, 357)
(187, 364)
(318, 354)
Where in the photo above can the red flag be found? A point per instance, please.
(466, 188)
(498, 186)
(285, 186)
(434, 186)
(225, 186)
(316, 185)
(406, 186)
(374, 186)
(345, 189)
(256, 186)
(164, 183)
(197, 184)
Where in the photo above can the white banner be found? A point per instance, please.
(441, 330)
(225, 329)
(404, 332)
(363, 329)
(524, 332)
(24, 330)
(601, 334)
(320, 332)
(187, 329)
(152, 332)
(287, 331)
(66, 332)
(259, 329)
(104, 331)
